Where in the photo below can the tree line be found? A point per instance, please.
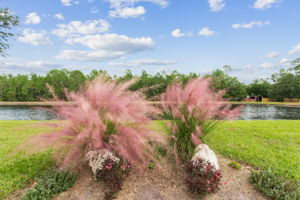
(33, 87)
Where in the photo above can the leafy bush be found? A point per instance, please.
(113, 174)
(235, 165)
(105, 115)
(194, 110)
(50, 184)
(201, 177)
(275, 186)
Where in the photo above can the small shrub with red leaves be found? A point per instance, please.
(202, 178)
(113, 174)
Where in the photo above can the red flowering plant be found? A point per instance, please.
(113, 173)
(201, 177)
(193, 110)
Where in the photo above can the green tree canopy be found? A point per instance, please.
(259, 87)
(7, 21)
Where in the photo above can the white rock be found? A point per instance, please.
(97, 157)
(205, 153)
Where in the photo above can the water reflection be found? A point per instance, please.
(24, 113)
(269, 112)
(249, 112)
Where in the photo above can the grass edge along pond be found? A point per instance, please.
(273, 144)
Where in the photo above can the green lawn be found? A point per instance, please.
(274, 144)
(16, 169)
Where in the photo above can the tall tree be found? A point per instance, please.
(7, 21)
(259, 87)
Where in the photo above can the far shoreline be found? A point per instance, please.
(40, 103)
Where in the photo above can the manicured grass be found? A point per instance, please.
(273, 144)
(17, 167)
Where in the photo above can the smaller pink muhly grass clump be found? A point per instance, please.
(105, 115)
(194, 110)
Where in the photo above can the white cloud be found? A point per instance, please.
(206, 31)
(127, 12)
(177, 33)
(18, 65)
(273, 54)
(32, 18)
(143, 62)
(66, 2)
(216, 5)
(114, 42)
(78, 27)
(125, 3)
(264, 4)
(99, 55)
(296, 49)
(267, 65)
(94, 10)
(34, 38)
(107, 46)
(59, 16)
(284, 60)
(250, 25)
(126, 9)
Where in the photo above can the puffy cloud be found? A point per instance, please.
(107, 46)
(125, 3)
(250, 25)
(78, 27)
(143, 62)
(34, 38)
(66, 2)
(296, 49)
(114, 42)
(273, 54)
(216, 5)
(59, 16)
(32, 18)
(127, 12)
(177, 33)
(206, 31)
(126, 9)
(264, 4)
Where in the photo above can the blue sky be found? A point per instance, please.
(255, 37)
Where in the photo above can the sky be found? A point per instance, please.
(255, 37)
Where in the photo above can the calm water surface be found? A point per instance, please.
(25, 113)
(249, 112)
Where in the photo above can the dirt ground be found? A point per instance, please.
(166, 184)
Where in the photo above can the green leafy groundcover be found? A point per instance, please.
(275, 186)
(50, 184)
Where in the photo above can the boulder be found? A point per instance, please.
(97, 157)
(205, 153)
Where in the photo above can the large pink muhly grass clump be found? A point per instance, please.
(194, 110)
(106, 115)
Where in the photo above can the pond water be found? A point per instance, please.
(249, 112)
(25, 113)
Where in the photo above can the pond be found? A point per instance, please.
(249, 112)
(25, 113)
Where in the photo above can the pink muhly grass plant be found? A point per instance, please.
(104, 115)
(194, 110)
